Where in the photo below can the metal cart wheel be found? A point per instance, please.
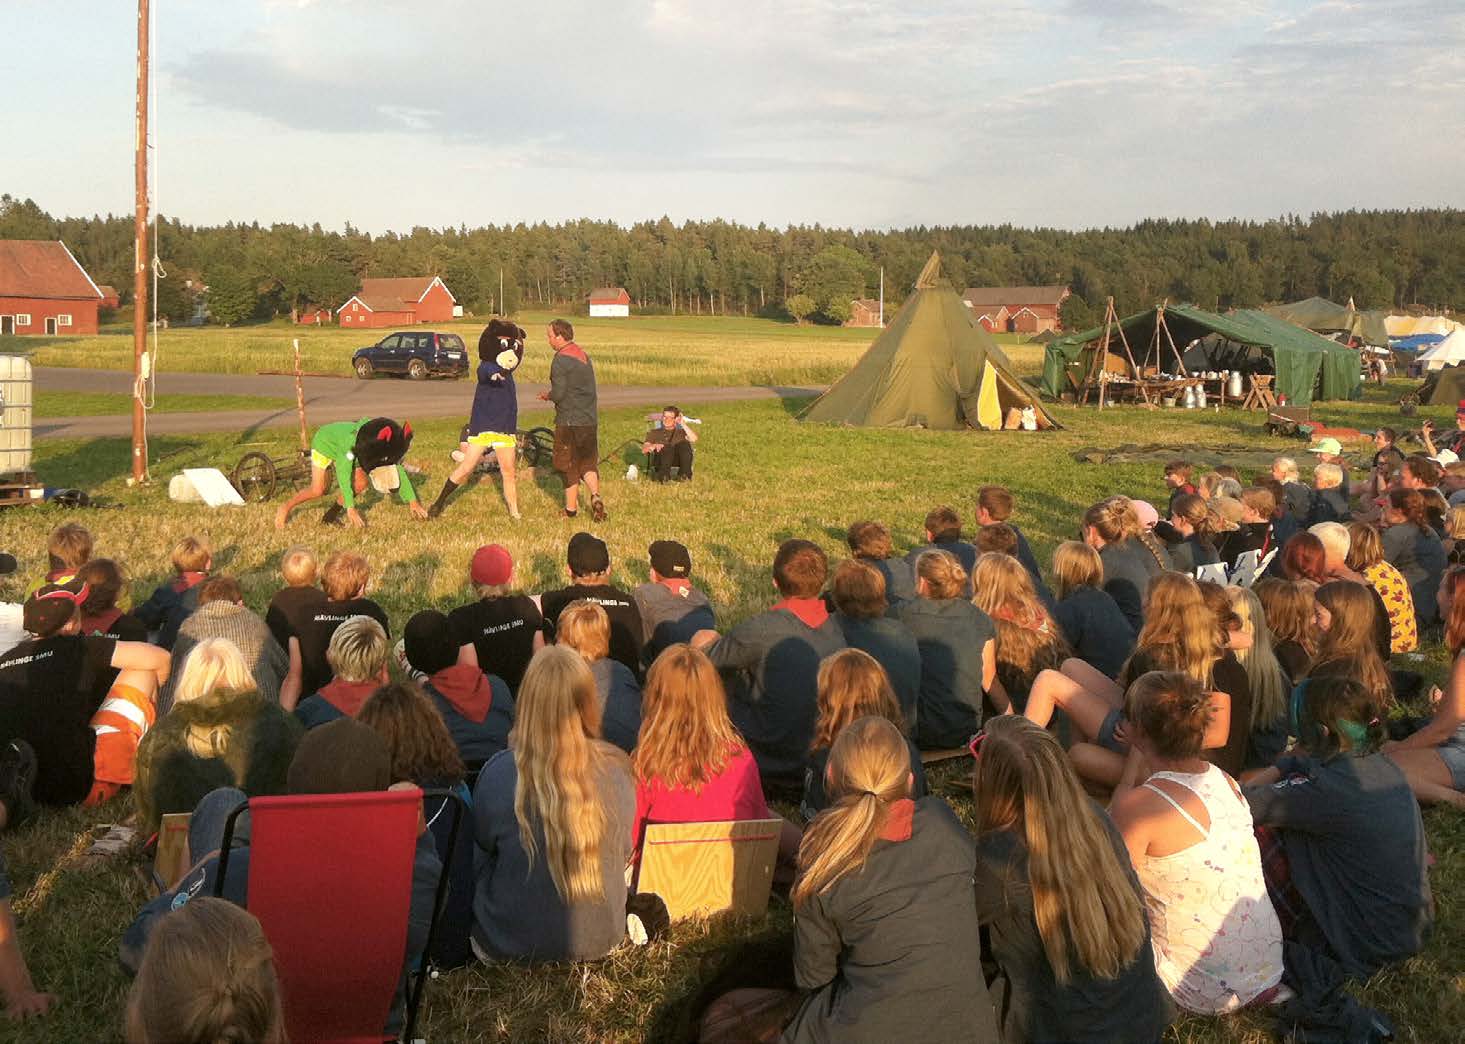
(536, 447)
(255, 477)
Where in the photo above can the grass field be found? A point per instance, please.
(695, 350)
(761, 477)
(98, 404)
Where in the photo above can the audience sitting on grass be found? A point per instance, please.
(68, 548)
(1253, 530)
(357, 655)
(1268, 682)
(1218, 945)
(1345, 620)
(1192, 533)
(672, 610)
(1177, 476)
(171, 603)
(552, 818)
(101, 614)
(1413, 548)
(221, 613)
(1350, 880)
(1028, 641)
(851, 685)
(1066, 936)
(584, 626)
(1298, 496)
(1290, 608)
(1091, 621)
(208, 975)
(476, 708)
(82, 702)
(1130, 553)
(772, 663)
(343, 578)
(1329, 499)
(499, 632)
(860, 611)
(292, 605)
(958, 647)
(870, 542)
(995, 506)
(588, 563)
(220, 732)
(341, 757)
(943, 533)
(1454, 535)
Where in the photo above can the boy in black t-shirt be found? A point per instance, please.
(589, 568)
(500, 632)
(292, 604)
(54, 695)
(344, 578)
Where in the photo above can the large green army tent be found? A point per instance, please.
(1307, 366)
(932, 367)
(1444, 387)
(1323, 316)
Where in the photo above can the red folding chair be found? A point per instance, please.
(330, 879)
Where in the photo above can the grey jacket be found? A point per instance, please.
(572, 389)
(262, 654)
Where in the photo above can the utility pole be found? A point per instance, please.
(882, 297)
(140, 254)
(502, 309)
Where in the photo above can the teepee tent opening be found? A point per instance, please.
(931, 367)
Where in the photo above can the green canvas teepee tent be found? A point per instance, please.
(932, 367)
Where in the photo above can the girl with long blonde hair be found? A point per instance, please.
(1346, 621)
(1028, 641)
(1131, 554)
(691, 764)
(1065, 922)
(553, 819)
(1269, 684)
(885, 932)
(852, 685)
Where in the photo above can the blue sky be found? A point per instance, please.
(1069, 113)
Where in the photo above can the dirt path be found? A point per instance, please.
(330, 398)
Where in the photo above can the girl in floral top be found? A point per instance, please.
(1366, 556)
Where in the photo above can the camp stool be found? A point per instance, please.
(700, 869)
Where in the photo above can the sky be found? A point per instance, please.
(390, 114)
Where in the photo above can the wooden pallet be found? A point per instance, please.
(18, 488)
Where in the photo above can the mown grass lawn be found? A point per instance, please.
(97, 404)
(670, 350)
(761, 477)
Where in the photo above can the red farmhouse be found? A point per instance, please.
(398, 302)
(1016, 309)
(43, 290)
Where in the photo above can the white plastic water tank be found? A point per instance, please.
(15, 414)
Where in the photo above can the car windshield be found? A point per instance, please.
(450, 342)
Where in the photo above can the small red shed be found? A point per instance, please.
(44, 290)
(398, 302)
(110, 297)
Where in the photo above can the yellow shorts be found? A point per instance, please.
(493, 440)
(320, 460)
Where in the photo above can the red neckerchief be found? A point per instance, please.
(347, 697)
(101, 623)
(574, 351)
(467, 688)
(898, 821)
(1033, 620)
(677, 585)
(812, 612)
(188, 579)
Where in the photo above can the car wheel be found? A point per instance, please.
(363, 369)
(417, 370)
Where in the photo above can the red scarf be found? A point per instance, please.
(466, 688)
(811, 611)
(187, 580)
(347, 697)
(677, 585)
(574, 351)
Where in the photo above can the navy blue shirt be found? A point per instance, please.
(1099, 632)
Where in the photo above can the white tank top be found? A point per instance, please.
(1217, 941)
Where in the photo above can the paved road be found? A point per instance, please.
(331, 398)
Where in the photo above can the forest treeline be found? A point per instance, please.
(1392, 259)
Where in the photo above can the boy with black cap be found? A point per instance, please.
(672, 610)
(54, 695)
(354, 450)
(500, 632)
(477, 707)
(344, 757)
(588, 562)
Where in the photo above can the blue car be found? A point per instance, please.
(416, 354)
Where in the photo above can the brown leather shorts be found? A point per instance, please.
(576, 452)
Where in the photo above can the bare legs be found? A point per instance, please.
(319, 478)
(1428, 777)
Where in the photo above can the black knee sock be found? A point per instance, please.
(448, 486)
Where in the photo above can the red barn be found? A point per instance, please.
(1017, 309)
(864, 311)
(398, 302)
(110, 297)
(43, 290)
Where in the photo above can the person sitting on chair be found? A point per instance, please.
(669, 445)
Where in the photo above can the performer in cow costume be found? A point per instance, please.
(354, 450)
(494, 422)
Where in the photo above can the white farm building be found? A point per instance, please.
(610, 301)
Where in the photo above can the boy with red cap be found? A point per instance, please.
(500, 632)
(672, 610)
(54, 695)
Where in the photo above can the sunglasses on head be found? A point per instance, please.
(974, 745)
(74, 597)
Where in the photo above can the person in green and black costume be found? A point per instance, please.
(356, 449)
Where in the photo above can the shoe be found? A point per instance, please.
(335, 515)
(515, 516)
(567, 513)
(436, 509)
(17, 777)
(597, 509)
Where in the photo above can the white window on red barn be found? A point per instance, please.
(22, 319)
(63, 320)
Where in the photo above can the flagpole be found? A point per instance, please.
(139, 264)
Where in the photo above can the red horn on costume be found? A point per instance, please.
(406, 430)
(385, 435)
